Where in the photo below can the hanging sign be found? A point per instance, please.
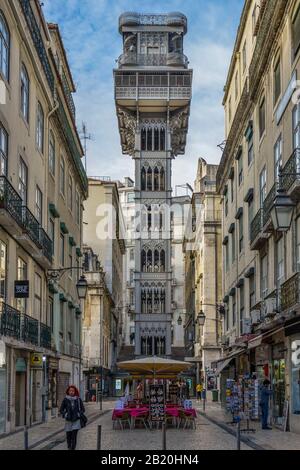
(21, 289)
(36, 360)
(157, 402)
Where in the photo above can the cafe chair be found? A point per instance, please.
(123, 420)
(186, 420)
(142, 418)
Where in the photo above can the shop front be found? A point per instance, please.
(3, 387)
(278, 381)
(292, 333)
(93, 383)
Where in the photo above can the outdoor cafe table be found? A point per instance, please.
(134, 412)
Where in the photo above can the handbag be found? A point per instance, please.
(83, 418)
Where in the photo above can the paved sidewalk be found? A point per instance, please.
(268, 440)
(43, 432)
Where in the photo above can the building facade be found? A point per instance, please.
(260, 277)
(153, 94)
(42, 186)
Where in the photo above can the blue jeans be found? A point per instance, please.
(264, 415)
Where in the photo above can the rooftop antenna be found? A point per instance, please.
(85, 136)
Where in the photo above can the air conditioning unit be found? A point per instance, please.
(246, 326)
(269, 307)
(255, 317)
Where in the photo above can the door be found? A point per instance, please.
(20, 398)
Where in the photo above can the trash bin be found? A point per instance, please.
(215, 395)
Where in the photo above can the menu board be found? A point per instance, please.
(157, 402)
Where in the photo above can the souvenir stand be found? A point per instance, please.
(242, 400)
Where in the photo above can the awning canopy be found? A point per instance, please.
(154, 365)
(223, 363)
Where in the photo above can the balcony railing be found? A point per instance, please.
(30, 330)
(68, 95)
(290, 292)
(153, 60)
(10, 200)
(256, 225)
(45, 336)
(10, 324)
(268, 203)
(291, 171)
(32, 226)
(47, 245)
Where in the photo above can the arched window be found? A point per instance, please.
(143, 179)
(144, 139)
(40, 125)
(149, 218)
(149, 179)
(143, 261)
(4, 47)
(24, 93)
(162, 185)
(156, 179)
(156, 261)
(149, 261)
(162, 261)
(162, 139)
(51, 153)
(149, 139)
(156, 139)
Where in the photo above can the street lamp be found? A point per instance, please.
(201, 318)
(82, 287)
(282, 211)
(179, 321)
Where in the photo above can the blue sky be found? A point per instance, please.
(92, 41)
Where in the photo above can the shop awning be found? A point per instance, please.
(255, 342)
(222, 365)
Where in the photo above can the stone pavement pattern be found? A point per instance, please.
(37, 433)
(269, 440)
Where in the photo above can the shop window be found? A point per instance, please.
(295, 379)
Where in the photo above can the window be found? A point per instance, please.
(254, 19)
(61, 319)
(240, 168)
(39, 205)
(296, 127)
(280, 261)
(244, 56)
(264, 277)
(3, 151)
(52, 233)
(130, 197)
(77, 208)
(24, 93)
(298, 244)
(296, 31)
(232, 189)
(3, 269)
(277, 81)
(250, 149)
(40, 128)
(132, 254)
(229, 110)
(51, 314)
(241, 233)
(70, 261)
(263, 186)
(262, 118)
(242, 308)
(233, 310)
(226, 203)
(51, 153)
(62, 176)
(251, 292)
(236, 85)
(70, 325)
(233, 254)
(22, 276)
(38, 296)
(227, 257)
(70, 193)
(250, 216)
(23, 177)
(4, 47)
(62, 250)
(277, 158)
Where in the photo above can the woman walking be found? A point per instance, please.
(71, 410)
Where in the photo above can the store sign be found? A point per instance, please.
(21, 289)
(296, 353)
(157, 402)
(36, 360)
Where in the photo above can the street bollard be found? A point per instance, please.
(99, 437)
(26, 444)
(164, 436)
(238, 434)
(204, 400)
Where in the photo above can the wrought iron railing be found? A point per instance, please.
(45, 336)
(47, 245)
(37, 39)
(31, 226)
(256, 225)
(68, 95)
(291, 171)
(30, 330)
(68, 133)
(269, 202)
(10, 323)
(10, 200)
(290, 292)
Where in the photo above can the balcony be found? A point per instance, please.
(25, 328)
(290, 293)
(19, 221)
(267, 207)
(291, 176)
(257, 236)
(173, 59)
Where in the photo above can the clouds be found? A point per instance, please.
(90, 32)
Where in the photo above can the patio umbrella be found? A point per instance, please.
(157, 366)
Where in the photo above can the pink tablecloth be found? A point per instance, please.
(133, 412)
(175, 412)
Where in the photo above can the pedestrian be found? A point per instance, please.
(72, 410)
(140, 392)
(266, 392)
(199, 390)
